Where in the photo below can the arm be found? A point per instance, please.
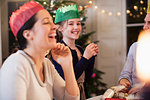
(86, 62)
(126, 74)
(62, 54)
(13, 81)
(58, 68)
(90, 68)
(59, 90)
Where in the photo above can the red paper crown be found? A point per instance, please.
(22, 15)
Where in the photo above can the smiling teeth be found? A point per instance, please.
(75, 32)
(52, 35)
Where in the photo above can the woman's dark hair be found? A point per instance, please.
(22, 42)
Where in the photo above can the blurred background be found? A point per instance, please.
(113, 24)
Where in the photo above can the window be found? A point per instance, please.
(136, 12)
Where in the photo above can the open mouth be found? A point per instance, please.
(75, 32)
(52, 36)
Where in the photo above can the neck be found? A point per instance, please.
(70, 43)
(36, 56)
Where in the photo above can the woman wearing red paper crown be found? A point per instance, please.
(83, 61)
(27, 74)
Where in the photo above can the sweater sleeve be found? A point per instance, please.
(127, 70)
(13, 83)
(81, 66)
(90, 68)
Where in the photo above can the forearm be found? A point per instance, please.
(71, 84)
(90, 68)
(80, 67)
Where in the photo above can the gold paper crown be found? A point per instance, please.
(148, 8)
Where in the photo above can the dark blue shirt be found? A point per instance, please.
(79, 65)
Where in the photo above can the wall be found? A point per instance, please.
(0, 35)
(4, 28)
(109, 22)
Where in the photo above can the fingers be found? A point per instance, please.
(60, 48)
(135, 90)
(93, 48)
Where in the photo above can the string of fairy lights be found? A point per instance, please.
(135, 10)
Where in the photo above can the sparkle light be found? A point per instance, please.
(110, 13)
(44, 3)
(135, 8)
(128, 11)
(96, 7)
(141, 13)
(103, 11)
(118, 14)
(90, 2)
(131, 14)
(141, 2)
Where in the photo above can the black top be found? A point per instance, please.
(79, 65)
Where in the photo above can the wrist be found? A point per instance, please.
(86, 57)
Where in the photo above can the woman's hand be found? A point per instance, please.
(126, 83)
(90, 50)
(62, 54)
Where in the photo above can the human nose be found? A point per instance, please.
(55, 27)
(75, 26)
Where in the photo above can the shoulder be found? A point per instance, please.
(15, 59)
(133, 46)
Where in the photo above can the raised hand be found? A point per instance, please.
(62, 54)
(126, 83)
(90, 50)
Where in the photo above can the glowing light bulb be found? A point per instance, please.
(96, 7)
(110, 13)
(128, 11)
(141, 2)
(138, 16)
(44, 3)
(90, 2)
(102, 11)
(80, 7)
(144, 8)
(130, 14)
(141, 13)
(135, 7)
(118, 14)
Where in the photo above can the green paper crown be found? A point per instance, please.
(67, 12)
(148, 8)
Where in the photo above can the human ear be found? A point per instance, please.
(27, 34)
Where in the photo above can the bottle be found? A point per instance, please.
(109, 93)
